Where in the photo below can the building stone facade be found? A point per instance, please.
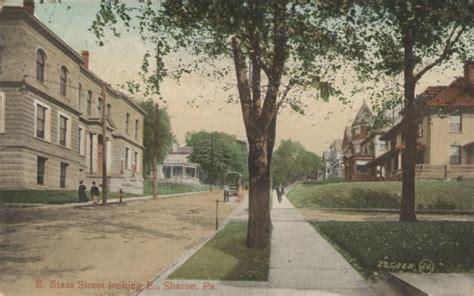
(50, 114)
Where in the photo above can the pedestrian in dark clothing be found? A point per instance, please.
(280, 191)
(94, 192)
(82, 192)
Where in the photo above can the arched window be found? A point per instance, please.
(127, 123)
(136, 129)
(2, 47)
(63, 81)
(40, 64)
(99, 106)
(79, 98)
(109, 109)
(89, 103)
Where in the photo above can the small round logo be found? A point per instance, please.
(426, 266)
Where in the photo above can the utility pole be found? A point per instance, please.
(156, 133)
(105, 185)
(212, 159)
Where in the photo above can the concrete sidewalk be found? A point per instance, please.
(303, 261)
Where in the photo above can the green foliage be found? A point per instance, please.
(218, 153)
(165, 135)
(292, 162)
(366, 244)
(226, 257)
(430, 195)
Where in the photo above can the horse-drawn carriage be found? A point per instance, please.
(232, 185)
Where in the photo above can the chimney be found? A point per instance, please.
(29, 6)
(469, 73)
(85, 58)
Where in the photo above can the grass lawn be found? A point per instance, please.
(69, 196)
(174, 188)
(432, 195)
(395, 246)
(225, 257)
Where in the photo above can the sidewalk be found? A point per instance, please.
(453, 284)
(302, 261)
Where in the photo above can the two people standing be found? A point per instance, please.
(280, 192)
(83, 195)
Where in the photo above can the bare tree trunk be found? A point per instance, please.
(259, 221)
(409, 132)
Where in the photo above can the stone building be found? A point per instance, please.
(50, 113)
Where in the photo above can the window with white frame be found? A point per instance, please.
(136, 129)
(455, 154)
(455, 123)
(127, 123)
(2, 112)
(79, 98)
(42, 121)
(64, 130)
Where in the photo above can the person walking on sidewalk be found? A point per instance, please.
(82, 192)
(94, 192)
(280, 191)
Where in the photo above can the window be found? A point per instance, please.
(356, 131)
(455, 154)
(136, 161)
(383, 145)
(40, 64)
(79, 98)
(127, 123)
(89, 103)
(2, 112)
(99, 107)
(40, 168)
(41, 121)
(136, 129)
(62, 130)
(63, 81)
(361, 167)
(127, 152)
(2, 47)
(62, 175)
(81, 141)
(455, 123)
(109, 109)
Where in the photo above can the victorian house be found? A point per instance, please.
(51, 107)
(355, 156)
(445, 145)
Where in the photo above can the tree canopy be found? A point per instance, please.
(218, 154)
(292, 162)
(165, 134)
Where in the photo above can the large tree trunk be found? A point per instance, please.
(259, 221)
(409, 132)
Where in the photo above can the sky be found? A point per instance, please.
(120, 60)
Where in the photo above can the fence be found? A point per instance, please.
(444, 172)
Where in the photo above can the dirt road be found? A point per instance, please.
(102, 251)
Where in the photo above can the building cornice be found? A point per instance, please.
(23, 85)
(119, 136)
(19, 13)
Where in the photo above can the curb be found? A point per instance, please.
(184, 257)
(408, 289)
